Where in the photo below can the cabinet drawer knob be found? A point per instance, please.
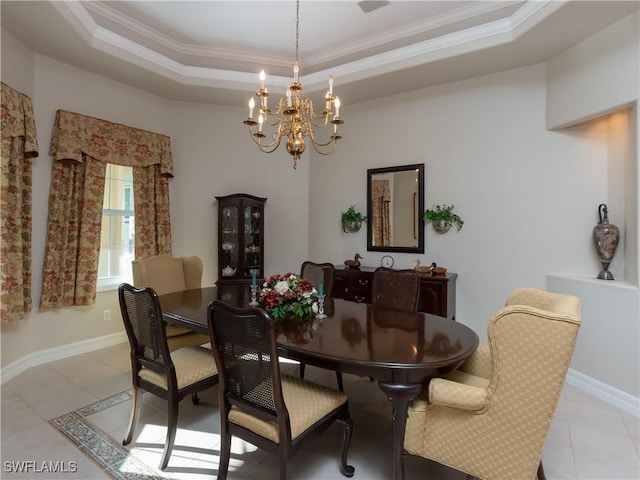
(363, 282)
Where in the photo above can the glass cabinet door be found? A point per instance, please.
(230, 239)
(240, 238)
(252, 242)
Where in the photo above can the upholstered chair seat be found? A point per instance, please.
(306, 402)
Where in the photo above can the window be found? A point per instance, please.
(118, 228)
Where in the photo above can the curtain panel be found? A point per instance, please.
(381, 198)
(19, 147)
(81, 147)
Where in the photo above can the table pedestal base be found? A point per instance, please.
(400, 395)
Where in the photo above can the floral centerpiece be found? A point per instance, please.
(288, 295)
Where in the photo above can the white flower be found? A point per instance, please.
(281, 287)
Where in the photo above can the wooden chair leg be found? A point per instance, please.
(346, 469)
(194, 398)
(172, 426)
(302, 366)
(283, 453)
(541, 475)
(339, 380)
(136, 405)
(225, 451)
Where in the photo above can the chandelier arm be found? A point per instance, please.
(320, 125)
(267, 148)
(306, 105)
(320, 144)
(276, 121)
(273, 145)
(332, 139)
(316, 148)
(279, 111)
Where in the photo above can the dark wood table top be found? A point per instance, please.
(402, 351)
(387, 345)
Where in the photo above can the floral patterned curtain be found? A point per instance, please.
(381, 194)
(81, 147)
(151, 204)
(19, 146)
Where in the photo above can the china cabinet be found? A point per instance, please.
(240, 238)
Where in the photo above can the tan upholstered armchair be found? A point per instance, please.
(167, 274)
(490, 417)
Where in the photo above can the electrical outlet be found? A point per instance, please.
(106, 315)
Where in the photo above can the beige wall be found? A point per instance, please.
(212, 154)
(527, 194)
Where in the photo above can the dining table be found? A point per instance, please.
(400, 350)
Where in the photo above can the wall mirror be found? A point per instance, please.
(395, 203)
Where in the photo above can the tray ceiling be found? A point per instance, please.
(211, 51)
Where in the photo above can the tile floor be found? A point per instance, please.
(588, 439)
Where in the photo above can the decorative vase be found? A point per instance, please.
(354, 226)
(441, 226)
(605, 239)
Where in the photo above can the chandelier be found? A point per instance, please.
(294, 117)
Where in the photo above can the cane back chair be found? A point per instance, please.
(272, 411)
(396, 289)
(169, 375)
(320, 274)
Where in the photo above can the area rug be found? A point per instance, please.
(107, 453)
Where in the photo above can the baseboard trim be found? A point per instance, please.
(598, 389)
(604, 392)
(57, 353)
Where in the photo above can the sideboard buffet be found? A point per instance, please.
(437, 292)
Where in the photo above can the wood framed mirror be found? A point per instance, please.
(395, 203)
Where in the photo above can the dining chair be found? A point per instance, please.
(396, 289)
(490, 417)
(275, 412)
(169, 375)
(166, 274)
(320, 274)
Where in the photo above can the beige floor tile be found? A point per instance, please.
(588, 439)
(42, 443)
(17, 417)
(116, 356)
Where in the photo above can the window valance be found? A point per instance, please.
(75, 134)
(17, 119)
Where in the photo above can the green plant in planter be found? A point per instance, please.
(443, 218)
(352, 220)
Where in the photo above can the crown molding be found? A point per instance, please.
(464, 41)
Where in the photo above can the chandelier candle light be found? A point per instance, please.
(294, 117)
